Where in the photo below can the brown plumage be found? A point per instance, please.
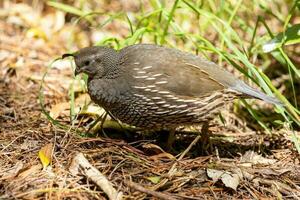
(150, 86)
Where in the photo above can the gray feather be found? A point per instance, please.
(245, 89)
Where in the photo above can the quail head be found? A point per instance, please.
(155, 87)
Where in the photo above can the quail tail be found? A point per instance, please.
(246, 89)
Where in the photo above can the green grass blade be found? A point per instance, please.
(66, 8)
(289, 37)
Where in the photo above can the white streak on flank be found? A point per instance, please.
(163, 92)
(182, 106)
(139, 87)
(169, 96)
(147, 67)
(161, 102)
(180, 100)
(136, 69)
(156, 98)
(154, 90)
(174, 98)
(140, 76)
(150, 78)
(162, 112)
(151, 86)
(150, 103)
(200, 102)
(190, 101)
(174, 112)
(148, 90)
(182, 111)
(141, 72)
(161, 82)
(191, 113)
(166, 105)
(138, 95)
(136, 63)
(156, 75)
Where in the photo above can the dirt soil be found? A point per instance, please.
(243, 164)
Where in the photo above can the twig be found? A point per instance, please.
(173, 169)
(140, 188)
(79, 162)
(280, 186)
(189, 147)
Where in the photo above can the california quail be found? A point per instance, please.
(155, 87)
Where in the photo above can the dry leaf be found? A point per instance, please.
(159, 152)
(62, 64)
(13, 172)
(91, 110)
(32, 170)
(36, 32)
(57, 109)
(154, 179)
(45, 154)
(162, 155)
(153, 147)
(229, 179)
(254, 158)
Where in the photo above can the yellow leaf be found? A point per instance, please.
(37, 33)
(154, 179)
(45, 154)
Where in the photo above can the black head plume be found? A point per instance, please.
(67, 55)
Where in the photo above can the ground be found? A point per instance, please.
(243, 163)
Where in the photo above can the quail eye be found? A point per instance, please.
(87, 62)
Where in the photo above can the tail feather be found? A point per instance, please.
(246, 89)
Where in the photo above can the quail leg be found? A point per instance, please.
(205, 138)
(171, 140)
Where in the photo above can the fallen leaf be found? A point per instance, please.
(162, 155)
(13, 172)
(159, 152)
(57, 109)
(274, 172)
(36, 32)
(90, 110)
(229, 179)
(215, 175)
(45, 154)
(254, 158)
(153, 147)
(32, 170)
(62, 64)
(154, 179)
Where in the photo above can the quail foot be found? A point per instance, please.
(155, 87)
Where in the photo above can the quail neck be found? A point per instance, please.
(151, 86)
